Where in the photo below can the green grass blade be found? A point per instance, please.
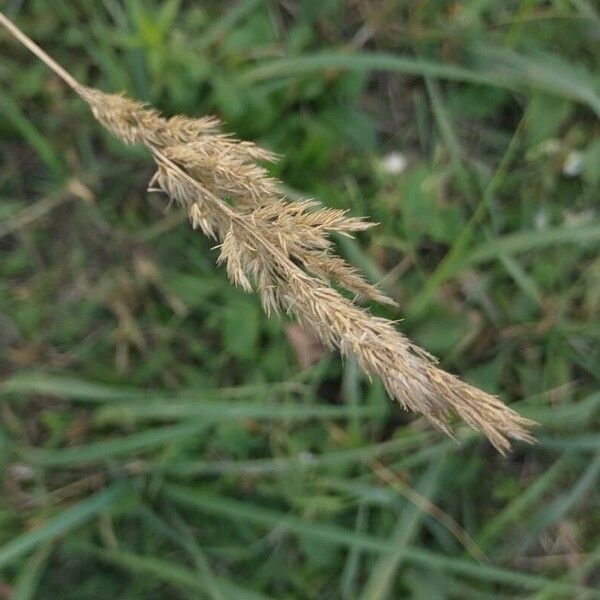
(585, 569)
(543, 71)
(32, 212)
(527, 241)
(498, 67)
(302, 462)
(229, 19)
(169, 572)
(561, 507)
(454, 259)
(64, 387)
(24, 382)
(383, 573)
(28, 579)
(200, 560)
(588, 442)
(63, 522)
(527, 500)
(576, 414)
(352, 567)
(98, 451)
(215, 411)
(459, 257)
(332, 534)
(17, 118)
(521, 278)
(357, 61)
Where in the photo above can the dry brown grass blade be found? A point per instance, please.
(281, 249)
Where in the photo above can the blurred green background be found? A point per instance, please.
(161, 438)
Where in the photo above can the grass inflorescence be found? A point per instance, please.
(160, 436)
(281, 248)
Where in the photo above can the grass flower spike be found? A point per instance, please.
(282, 250)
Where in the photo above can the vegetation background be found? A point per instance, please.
(161, 438)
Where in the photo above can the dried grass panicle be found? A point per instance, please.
(281, 249)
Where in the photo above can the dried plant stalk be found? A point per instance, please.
(281, 249)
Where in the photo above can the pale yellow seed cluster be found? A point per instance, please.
(281, 249)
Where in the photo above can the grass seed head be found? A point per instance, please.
(281, 249)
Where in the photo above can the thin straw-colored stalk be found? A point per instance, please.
(281, 249)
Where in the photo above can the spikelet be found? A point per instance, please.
(281, 249)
